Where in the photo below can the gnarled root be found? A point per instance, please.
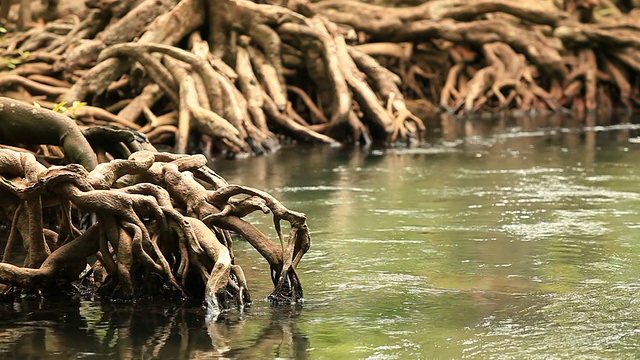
(154, 221)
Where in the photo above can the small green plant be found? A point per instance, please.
(24, 54)
(11, 63)
(62, 107)
(605, 12)
(75, 106)
(3, 31)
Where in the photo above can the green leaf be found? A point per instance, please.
(60, 107)
(606, 11)
(12, 63)
(76, 104)
(36, 104)
(2, 30)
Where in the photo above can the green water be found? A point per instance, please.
(501, 239)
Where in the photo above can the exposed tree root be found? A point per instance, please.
(300, 69)
(505, 54)
(234, 95)
(158, 214)
(85, 95)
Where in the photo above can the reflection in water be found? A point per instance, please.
(35, 329)
(510, 237)
(280, 338)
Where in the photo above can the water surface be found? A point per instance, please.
(503, 238)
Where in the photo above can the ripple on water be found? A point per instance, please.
(559, 192)
(424, 150)
(594, 321)
(522, 134)
(609, 178)
(322, 188)
(585, 193)
(382, 241)
(577, 223)
(400, 212)
(374, 281)
(536, 170)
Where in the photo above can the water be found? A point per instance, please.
(504, 239)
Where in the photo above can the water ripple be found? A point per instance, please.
(322, 188)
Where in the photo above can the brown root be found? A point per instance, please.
(137, 201)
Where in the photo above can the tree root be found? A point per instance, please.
(153, 217)
(328, 72)
(524, 72)
(252, 78)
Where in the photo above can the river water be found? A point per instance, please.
(504, 238)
